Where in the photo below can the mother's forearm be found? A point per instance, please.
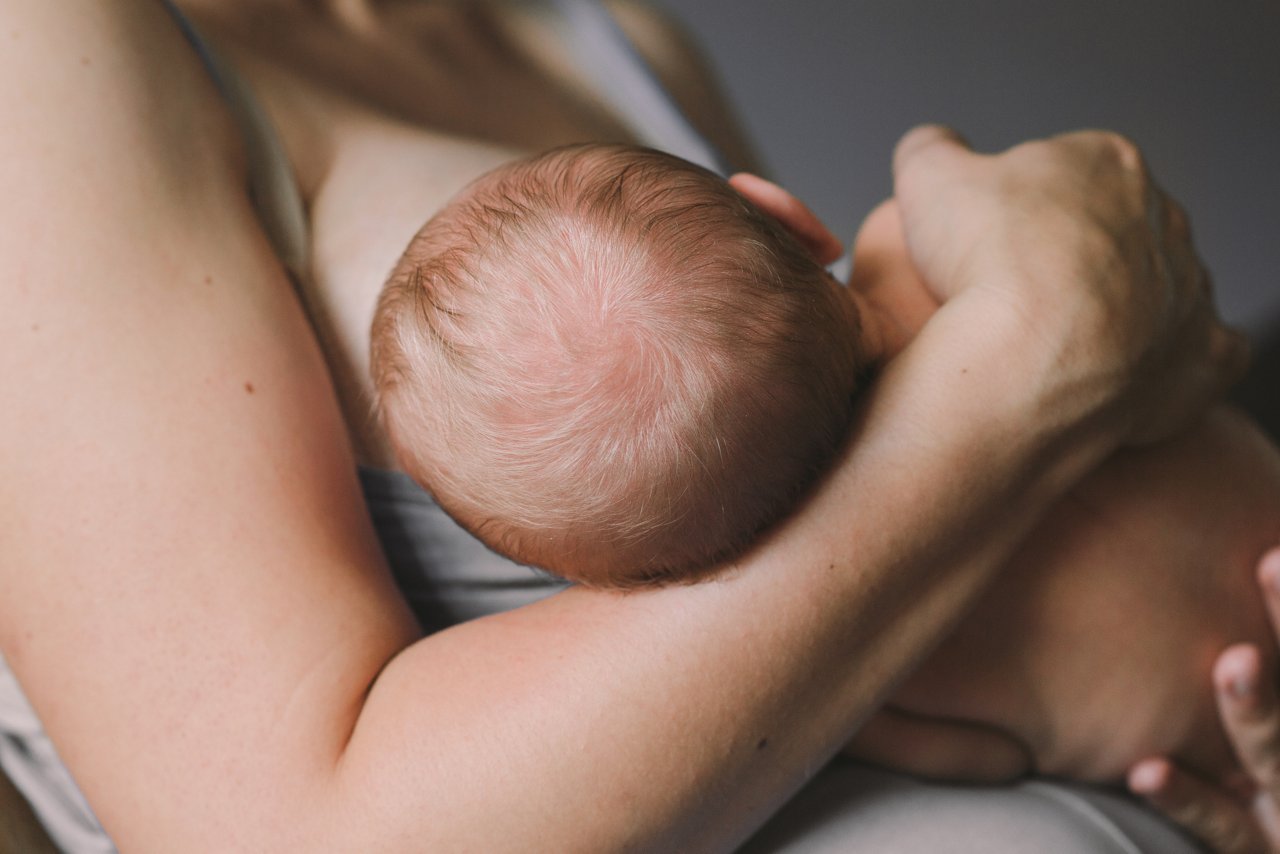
(680, 719)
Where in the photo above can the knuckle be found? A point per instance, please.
(1033, 155)
(1043, 157)
(1125, 150)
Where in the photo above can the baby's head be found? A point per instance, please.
(604, 361)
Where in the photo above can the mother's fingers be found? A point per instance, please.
(942, 145)
(1250, 714)
(1202, 809)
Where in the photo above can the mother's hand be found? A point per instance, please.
(1074, 237)
(1245, 822)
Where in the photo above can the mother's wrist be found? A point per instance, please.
(1038, 376)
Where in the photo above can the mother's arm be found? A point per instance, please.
(195, 603)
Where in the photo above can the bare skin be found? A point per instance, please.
(1231, 819)
(194, 600)
(1093, 649)
(394, 117)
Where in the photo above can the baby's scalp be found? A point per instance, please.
(605, 362)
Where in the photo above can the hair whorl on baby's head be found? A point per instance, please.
(605, 362)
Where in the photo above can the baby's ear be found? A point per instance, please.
(794, 215)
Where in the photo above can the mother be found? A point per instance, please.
(193, 596)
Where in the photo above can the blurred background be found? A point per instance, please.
(825, 87)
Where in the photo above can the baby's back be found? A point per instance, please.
(1095, 647)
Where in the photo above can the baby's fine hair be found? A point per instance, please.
(605, 362)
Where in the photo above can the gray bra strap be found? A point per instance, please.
(272, 184)
(622, 77)
(627, 84)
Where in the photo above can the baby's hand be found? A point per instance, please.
(1246, 821)
(939, 748)
(897, 302)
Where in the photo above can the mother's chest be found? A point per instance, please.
(381, 187)
(377, 194)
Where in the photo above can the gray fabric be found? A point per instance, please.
(446, 575)
(850, 808)
(277, 198)
(31, 763)
(625, 82)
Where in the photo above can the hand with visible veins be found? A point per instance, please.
(1055, 249)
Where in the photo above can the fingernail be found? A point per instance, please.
(1236, 672)
(1241, 686)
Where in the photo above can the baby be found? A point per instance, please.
(605, 362)
(612, 364)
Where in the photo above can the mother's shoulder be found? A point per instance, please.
(103, 91)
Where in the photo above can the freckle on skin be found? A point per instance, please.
(208, 280)
(762, 744)
(248, 387)
(35, 327)
(84, 60)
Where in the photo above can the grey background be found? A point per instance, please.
(826, 87)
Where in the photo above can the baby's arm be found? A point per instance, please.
(940, 748)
